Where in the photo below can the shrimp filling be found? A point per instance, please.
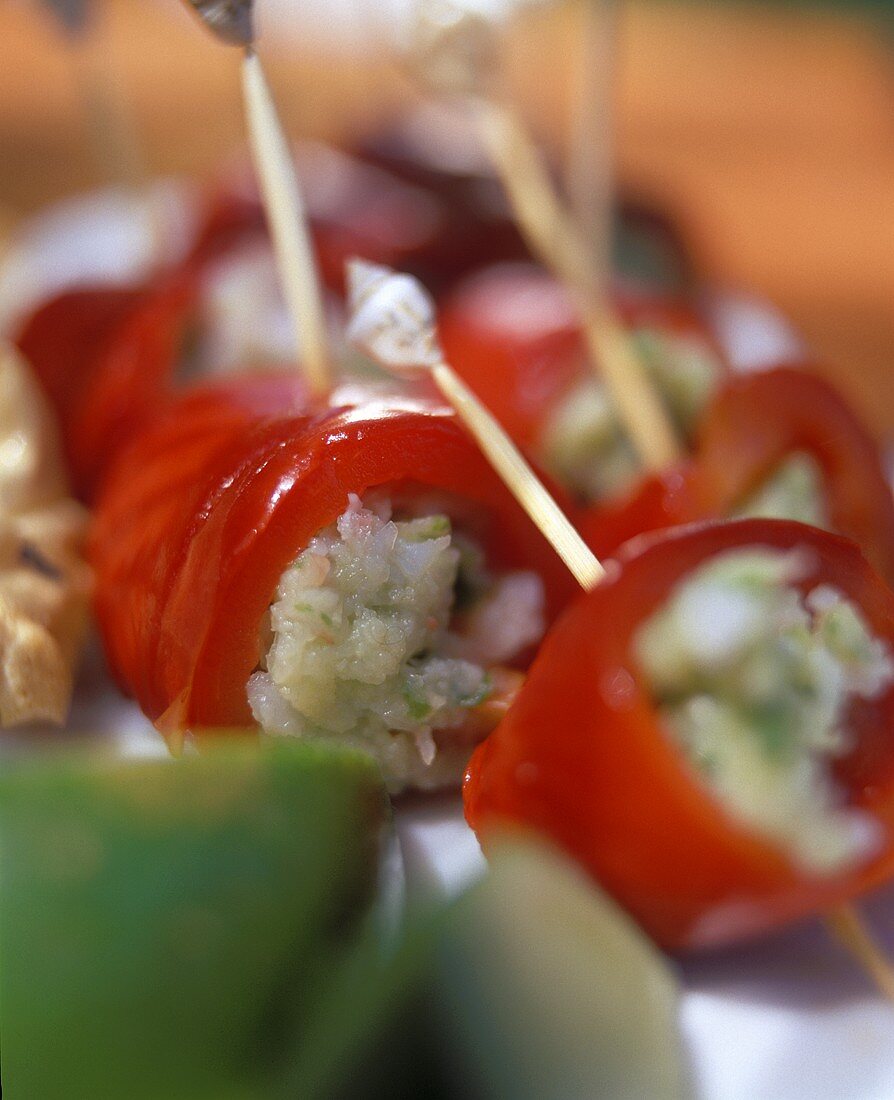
(754, 679)
(583, 444)
(385, 634)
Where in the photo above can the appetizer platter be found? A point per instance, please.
(490, 644)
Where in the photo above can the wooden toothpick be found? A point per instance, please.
(455, 52)
(553, 236)
(524, 484)
(589, 159)
(288, 224)
(111, 130)
(231, 21)
(392, 320)
(848, 927)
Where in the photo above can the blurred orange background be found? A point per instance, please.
(767, 131)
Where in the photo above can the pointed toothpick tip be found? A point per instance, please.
(229, 20)
(847, 925)
(362, 278)
(391, 319)
(73, 15)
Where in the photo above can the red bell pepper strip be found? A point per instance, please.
(106, 358)
(201, 516)
(66, 333)
(582, 755)
(752, 425)
(364, 212)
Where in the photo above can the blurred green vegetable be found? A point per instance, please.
(553, 992)
(158, 918)
(203, 929)
(534, 986)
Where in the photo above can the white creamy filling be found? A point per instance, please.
(794, 491)
(370, 645)
(244, 321)
(754, 681)
(583, 444)
(245, 325)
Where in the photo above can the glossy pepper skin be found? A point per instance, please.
(583, 758)
(203, 514)
(752, 425)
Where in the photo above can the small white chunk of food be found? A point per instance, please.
(113, 236)
(382, 636)
(245, 323)
(754, 681)
(583, 445)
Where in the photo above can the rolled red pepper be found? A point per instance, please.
(752, 425)
(583, 757)
(201, 516)
(354, 209)
(513, 334)
(106, 357)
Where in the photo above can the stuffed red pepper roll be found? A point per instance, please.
(710, 732)
(358, 573)
(107, 358)
(781, 444)
(108, 354)
(513, 333)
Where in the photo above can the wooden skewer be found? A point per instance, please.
(552, 235)
(116, 148)
(232, 23)
(288, 224)
(849, 928)
(393, 320)
(110, 127)
(589, 166)
(523, 483)
(456, 53)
